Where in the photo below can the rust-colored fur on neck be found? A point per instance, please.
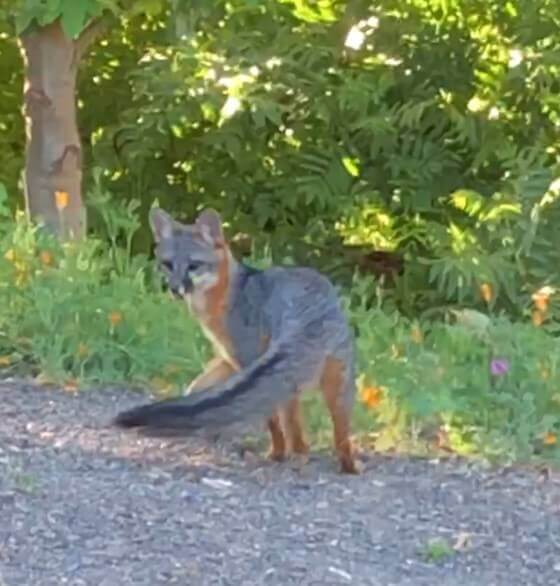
(211, 307)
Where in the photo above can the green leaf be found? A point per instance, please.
(111, 5)
(351, 165)
(467, 200)
(49, 13)
(29, 11)
(152, 7)
(73, 16)
(4, 209)
(23, 20)
(273, 113)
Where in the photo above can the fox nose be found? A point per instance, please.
(187, 284)
(179, 289)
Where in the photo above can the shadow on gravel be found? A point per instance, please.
(50, 417)
(85, 504)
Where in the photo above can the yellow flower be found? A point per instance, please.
(5, 360)
(486, 292)
(10, 255)
(46, 257)
(371, 396)
(61, 199)
(537, 317)
(115, 317)
(542, 297)
(550, 439)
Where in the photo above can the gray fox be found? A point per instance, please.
(274, 332)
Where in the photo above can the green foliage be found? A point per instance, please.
(488, 385)
(426, 129)
(12, 135)
(437, 551)
(90, 312)
(314, 126)
(74, 14)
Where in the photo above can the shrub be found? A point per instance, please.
(90, 312)
(482, 385)
(425, 128)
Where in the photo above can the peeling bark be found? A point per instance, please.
(53, 150)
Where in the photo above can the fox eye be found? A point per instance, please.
(194, 265)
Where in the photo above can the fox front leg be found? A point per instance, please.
(217, 370)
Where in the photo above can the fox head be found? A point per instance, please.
(194, 258)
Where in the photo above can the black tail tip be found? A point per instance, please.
(127, 419)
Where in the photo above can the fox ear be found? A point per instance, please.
(210, 225)
(161, 223)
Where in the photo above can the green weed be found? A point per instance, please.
(89, 312)
(436, 551)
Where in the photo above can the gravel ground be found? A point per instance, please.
(81, 504)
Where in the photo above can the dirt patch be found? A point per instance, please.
(82, 503)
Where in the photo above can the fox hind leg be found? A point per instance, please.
(286, 432)
(293, 429)
(277, 450)
(337, 387)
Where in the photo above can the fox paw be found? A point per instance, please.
(300, 448)
(349, 466)
(277, 455)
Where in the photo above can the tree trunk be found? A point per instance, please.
(53, 152)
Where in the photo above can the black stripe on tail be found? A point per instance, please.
(182, 412)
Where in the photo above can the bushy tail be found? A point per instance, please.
(255, 391)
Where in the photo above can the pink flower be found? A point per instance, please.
(499, 366)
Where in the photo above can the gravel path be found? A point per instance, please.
(81, 504)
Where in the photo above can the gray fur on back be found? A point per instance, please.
(262, 303)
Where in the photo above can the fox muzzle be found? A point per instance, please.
(181, 288)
